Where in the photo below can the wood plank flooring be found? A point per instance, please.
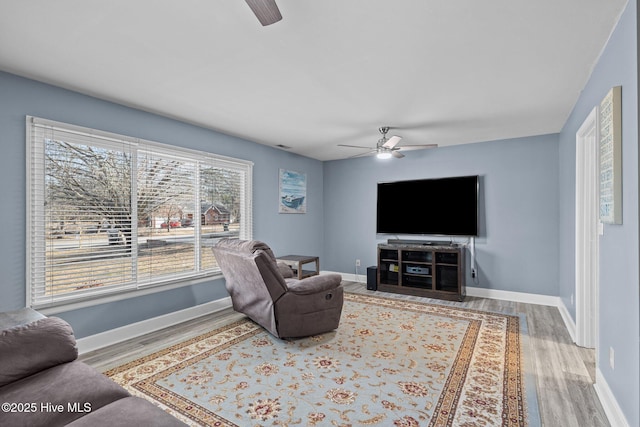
(564, 372)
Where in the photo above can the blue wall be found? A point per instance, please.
(619, 308)
(517, 249)
(527, 206)
(20, 97)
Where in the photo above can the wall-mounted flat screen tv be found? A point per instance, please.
(441, 206)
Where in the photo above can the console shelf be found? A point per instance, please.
(428, 270)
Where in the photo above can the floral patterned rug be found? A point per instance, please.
(391, 362)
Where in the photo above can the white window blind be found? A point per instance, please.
(109, 213)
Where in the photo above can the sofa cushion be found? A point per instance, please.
(59, 395)
(31, 348)
(130, 411)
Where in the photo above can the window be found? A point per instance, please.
(109, 213)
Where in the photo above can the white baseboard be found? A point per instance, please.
(507, 296)
(485, 293)
(94, 342)
(361, 278)
(609, 403)
(514, 296)
(114, 336)
(568, 320)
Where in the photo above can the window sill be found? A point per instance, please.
(123, 295)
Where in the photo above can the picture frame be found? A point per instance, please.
(292, 195)
(610, 153)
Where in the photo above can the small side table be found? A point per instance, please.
(296, 262)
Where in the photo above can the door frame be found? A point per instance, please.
(587, 231)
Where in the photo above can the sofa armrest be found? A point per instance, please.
(34, 347)
(314, 284)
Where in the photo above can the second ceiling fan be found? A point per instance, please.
(388, 147)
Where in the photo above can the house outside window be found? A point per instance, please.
(109, 214)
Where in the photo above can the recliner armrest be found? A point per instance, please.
(314, 284)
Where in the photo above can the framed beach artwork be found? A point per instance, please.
(293, 192)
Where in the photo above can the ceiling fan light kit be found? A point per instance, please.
(383, 154)
(266, 11)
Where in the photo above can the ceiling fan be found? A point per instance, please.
(266, 11)
(388, 147)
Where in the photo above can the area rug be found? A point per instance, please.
(391, 362)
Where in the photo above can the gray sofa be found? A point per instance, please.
(42, 383)
(267, 292)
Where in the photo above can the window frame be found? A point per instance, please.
(35, 228)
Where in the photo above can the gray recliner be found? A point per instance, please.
(267, 292)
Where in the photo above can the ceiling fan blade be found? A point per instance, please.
(397, 154)
(392, 142)
(368, 153)
(417, 147)
(354, 146)
(266, 11)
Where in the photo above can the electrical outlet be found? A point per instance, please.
(612, 358)
(357, 263)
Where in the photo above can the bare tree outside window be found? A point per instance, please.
(122, 215)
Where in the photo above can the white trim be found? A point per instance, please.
(527, 298)
(506, 296)
(482, 292)
(104, 339)
(119, 296)
(114, 336)
(37, 252)
(360, 278)
(230, 162)
(514, 296)
(568, 320)
(609, 403)
(586, 231)
(123, 333)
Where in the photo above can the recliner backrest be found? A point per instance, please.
(242, 255)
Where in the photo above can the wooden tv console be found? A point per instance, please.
(429, 269)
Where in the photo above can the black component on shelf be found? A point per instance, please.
(387, 254)
(417, 256)
(447, 278)
(447, 257)
(421, 270)
(388, 272)
(425, 282)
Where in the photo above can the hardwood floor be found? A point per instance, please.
(564, 372)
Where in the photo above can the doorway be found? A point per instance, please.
(587, 224)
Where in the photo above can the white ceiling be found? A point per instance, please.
(331, 72)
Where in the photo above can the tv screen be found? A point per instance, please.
(442, 206)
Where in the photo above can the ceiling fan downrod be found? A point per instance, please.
(383, 130)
